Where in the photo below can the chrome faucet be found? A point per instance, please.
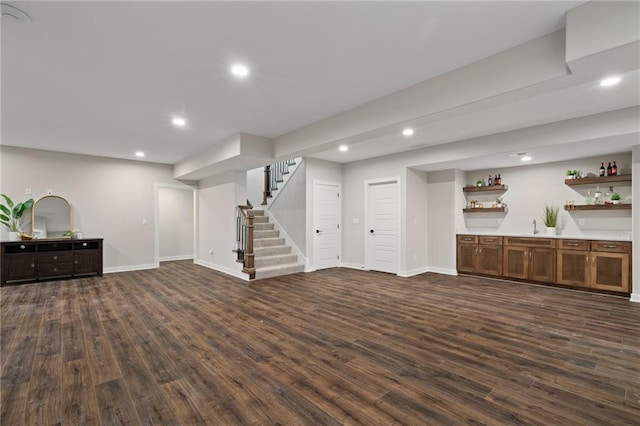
(535, 230)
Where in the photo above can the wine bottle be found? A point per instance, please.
(499, 182)
(609, 169)
(490, 181)
(614, 169)
(601, 169)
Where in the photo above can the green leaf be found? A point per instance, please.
(8, 200)
(3, 217)
(5, 209)
(28, 204)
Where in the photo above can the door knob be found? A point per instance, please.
(318, 231)
(371, 231)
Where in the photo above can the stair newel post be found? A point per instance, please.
(266, 193)
(249, 255)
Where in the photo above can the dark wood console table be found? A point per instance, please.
(45, 260)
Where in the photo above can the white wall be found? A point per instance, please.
(110, 198)
(255, 186)
(531, 187)
(635, 295)
(442, 221)
(288, 209)
(218, 198)
(175, 221)
(415, 225)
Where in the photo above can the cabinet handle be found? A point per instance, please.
(480, 250)
(55, 257)
(490, 241)
(33, 265)
(55, 269)
(84, 244)
(586, 259)
(76, 262)
(573, 244)
(467, 239)
(609, 246)
(22, 247)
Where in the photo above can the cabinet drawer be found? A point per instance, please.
(491, 241)
(55, 257)
(611, 246)
(468, 239)
(46, 270)
(574, 245)
(86, 245)
(530, 242)
(57, 246)
(19, 248)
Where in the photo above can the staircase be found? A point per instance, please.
(272, 257)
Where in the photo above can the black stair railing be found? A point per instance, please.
(273, 175)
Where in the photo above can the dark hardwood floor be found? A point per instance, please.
(186, 345)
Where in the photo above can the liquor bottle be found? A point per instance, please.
(609, 169)
(614, 169)
(597, 196)
(499, 182)
(601, 169)
(490, 181)
(589, 198)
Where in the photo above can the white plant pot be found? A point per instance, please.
(551, 231)
(14, 236)
(615, 201)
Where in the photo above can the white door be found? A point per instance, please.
(382, 227)
(326, 224)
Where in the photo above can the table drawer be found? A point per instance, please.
(55, 270)
(530, 242)
(584, 245)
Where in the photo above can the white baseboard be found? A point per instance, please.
(129, 268)
(223, 269)
(170, 258)
(444, 271)
(635, 297)
(352, 266)
(413, 272)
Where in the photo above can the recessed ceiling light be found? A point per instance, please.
(408, 131)
(343, 148)
(525, 158)
(139, 154)
(239, 70)
(610, 81)
(179, 121)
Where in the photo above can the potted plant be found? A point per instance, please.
(11, 215)
(572, 174)
(479, 182)
(615, 198)
(550, 218)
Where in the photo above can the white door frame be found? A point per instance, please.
(156, 218)
(313, 220)
(367, 219)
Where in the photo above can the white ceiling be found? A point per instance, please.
(104, 78)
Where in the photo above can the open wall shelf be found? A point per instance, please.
(485, 188)
(486, 210)
(599, 207)
(598, 180)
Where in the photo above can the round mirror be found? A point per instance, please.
(51, 217)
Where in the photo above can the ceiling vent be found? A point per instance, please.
(13, 14)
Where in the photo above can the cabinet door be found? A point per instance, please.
(86, 262)
(490, 260)
(19, 266)
(573, 268)
(542, 265)
(610, 271)
(516, 262)
(467, 257)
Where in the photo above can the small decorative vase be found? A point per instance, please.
(615, 201)
(14, 236)
(551, 230)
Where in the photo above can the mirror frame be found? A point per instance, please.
(35, 204)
